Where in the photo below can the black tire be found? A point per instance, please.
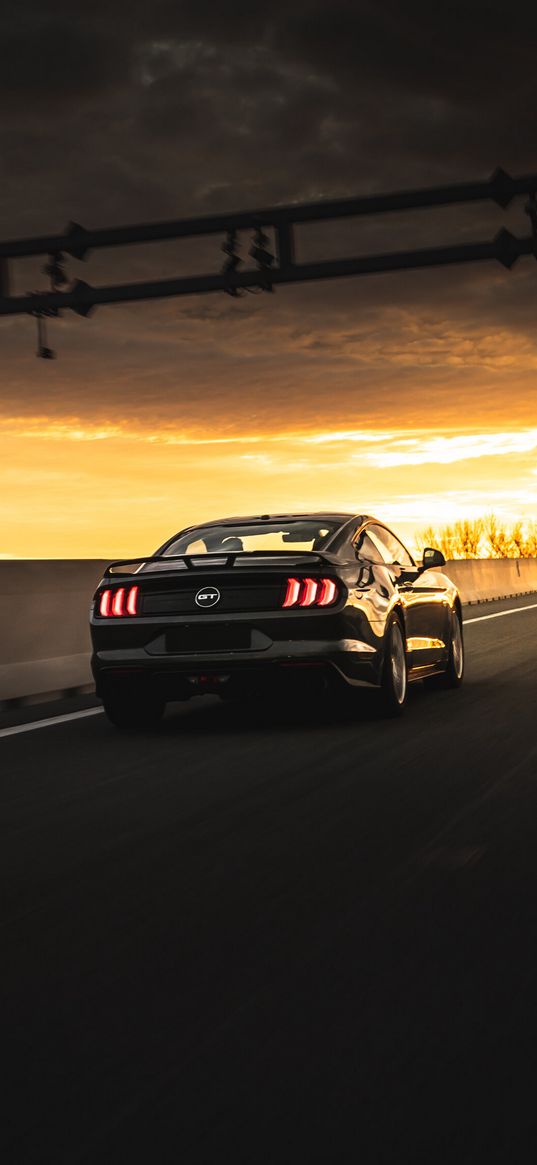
(133, 711)
(453, 676)
(394, 683)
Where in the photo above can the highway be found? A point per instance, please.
(277, 937)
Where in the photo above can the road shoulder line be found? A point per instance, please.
(498, 614)
(17, 728)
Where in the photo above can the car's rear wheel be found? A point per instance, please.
(394, 683)
(133, 711)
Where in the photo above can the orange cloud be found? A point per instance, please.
(71, 488)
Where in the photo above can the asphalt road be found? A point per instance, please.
(257, 938)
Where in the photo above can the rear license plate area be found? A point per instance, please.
(226, 637)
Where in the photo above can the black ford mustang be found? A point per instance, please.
(245, 606)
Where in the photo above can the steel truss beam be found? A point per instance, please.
(269, 270)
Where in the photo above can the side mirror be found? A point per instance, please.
(432, 558)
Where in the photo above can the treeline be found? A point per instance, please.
(485, 537)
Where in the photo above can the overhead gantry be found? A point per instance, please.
(268, 269)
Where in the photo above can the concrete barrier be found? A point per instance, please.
(488, 578)
(44, 637)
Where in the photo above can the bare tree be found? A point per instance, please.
(468, 534)
(524, 541)
(518, 540)
(485, 537)
(498, 538)
(426, 537)
(531, 541)
(446, 540)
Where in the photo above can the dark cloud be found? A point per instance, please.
(47, 58)
(120, 113)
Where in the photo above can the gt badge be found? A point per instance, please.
(208, 597)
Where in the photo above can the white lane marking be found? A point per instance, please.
(51, 720)
(498, 614)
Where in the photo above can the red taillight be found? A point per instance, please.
(119, 603)
(327, 593)
(132, 601)
(104, 605)
(310, 592)
(293, 591)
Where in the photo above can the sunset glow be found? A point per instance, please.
(73, 488)
(338, 397)
(411, 395)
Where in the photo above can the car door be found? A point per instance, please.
(423, 596)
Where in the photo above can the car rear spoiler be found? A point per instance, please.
(170, 562)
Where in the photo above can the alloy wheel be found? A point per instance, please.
(398, 664)
(457, 653)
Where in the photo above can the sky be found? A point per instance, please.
(411, 396)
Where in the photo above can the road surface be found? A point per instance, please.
(261, 939)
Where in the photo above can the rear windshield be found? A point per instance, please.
(301, 535)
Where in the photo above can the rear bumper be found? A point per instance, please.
(350, 661)
(342, 644)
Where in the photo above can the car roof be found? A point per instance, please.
(262, 519)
